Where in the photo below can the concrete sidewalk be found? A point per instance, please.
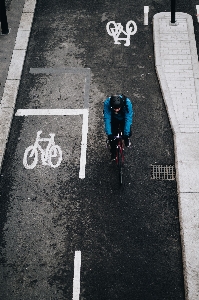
(7, 42)
(12, 56)
(177, 69)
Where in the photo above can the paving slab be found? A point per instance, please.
(189, 212)
(10, 91)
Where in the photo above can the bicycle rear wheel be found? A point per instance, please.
(30, 157)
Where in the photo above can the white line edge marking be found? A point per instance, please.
(76, 278)
(49, 112)
(83, 144)
(62, 112)
(146, 11)
(197, 9)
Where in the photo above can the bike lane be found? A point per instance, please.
(129, 239)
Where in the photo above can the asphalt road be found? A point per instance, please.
(129, 238)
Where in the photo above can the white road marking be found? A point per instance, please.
(197, 9)
(76, 279)
(64, 112)
(83, 145)
(114, 29)
(146, 11)
(51, 151)
(49, 112)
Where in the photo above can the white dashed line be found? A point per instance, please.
(197, 9)
(146, 16)
(76, 279)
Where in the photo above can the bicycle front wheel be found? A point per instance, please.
(120, 167)
(55, 156)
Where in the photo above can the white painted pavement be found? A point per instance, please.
(177, 69)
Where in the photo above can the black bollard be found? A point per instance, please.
(3, 18)
(173, 4)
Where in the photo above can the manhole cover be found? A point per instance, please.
(163, 172)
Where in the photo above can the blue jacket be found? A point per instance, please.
(126, 114)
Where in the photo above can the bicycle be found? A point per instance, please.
(52, 151)
(120, 155)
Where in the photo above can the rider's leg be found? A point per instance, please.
(113, 149)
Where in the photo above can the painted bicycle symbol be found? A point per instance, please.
(115, 29)
(51, 156)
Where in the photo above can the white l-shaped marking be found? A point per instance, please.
(64, 112)
(49, 112)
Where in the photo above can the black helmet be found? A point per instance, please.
(116, 101)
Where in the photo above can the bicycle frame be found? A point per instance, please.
(120, 147)
(120, 155)
(50, 143)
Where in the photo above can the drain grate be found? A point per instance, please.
(163, 172)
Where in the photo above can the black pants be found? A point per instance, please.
(3, 17)
(115, 124)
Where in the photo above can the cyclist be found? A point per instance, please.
(118, 111)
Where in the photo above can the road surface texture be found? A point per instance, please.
(129, 238)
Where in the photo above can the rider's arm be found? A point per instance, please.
(128, 117)
(107, 116)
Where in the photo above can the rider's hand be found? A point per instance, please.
(110, 137)
(126, 140)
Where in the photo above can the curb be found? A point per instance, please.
(14, 74)
(186, 141)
